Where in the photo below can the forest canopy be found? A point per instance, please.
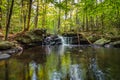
(59, 16)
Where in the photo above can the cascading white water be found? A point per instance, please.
(66, 40)
(62, 39)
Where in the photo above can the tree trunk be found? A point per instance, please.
(36, 16)
(91, 23)
(66, 9)
(8, 20)
(86, 17)
(83, 24)
(23, 13)
(44, 15)
(59, 20)
(96, 22)
(0, 15)
(29, 15)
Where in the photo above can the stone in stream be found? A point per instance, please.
(53, 40)
(6, 45)
(115, 44)
(8, 48)
(4, 56)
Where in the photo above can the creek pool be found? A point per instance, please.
(63, 63)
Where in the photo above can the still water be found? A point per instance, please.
(63, 63)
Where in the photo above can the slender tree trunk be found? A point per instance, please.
(59, 20)
(96, 24)
(102, 19)
(66, 3)
(44, 15)
(77, 19)
(83, 24)
(36, 16)
(8, 20)
(71, 24)
(29, 15)
(91, 22)
(86, 18)
(0, 15)
(23, 13)
(87, 28)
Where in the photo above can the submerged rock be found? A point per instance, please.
(4, 56)
(6, 45)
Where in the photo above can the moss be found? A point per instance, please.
(6, 45)
(31, 37)
(102, 41)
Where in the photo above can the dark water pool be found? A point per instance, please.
(63, 63)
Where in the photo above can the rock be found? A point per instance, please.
(115, 44)
(53, 40)
(75, 39)
(6, 45)
(32, 37)
(101, 41)
(4, 56)
(24, 39)
(14, 51)
(39, 31)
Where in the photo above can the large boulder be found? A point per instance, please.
(32, 37)
(6, 45)
(101, 42)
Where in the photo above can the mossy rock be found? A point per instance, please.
(115, 44)
(30, 37)
(24, 39)
(6, 45)
(101, 41)
(34, 37)
(39, 31)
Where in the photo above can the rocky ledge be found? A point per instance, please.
(108, 42)
(7, 49)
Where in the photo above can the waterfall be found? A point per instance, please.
(66, 40)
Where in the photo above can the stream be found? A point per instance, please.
(63, 63)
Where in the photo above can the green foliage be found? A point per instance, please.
(102, 16)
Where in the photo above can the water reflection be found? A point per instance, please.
(33, 68)
(75, 72)
(62, 63)
(97, 73)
